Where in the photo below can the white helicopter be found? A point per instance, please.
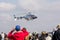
(28, 17)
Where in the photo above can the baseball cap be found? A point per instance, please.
(17, 28)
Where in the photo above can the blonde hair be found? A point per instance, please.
(58, 26)
(43, 32)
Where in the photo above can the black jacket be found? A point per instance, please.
(56, 35)
(43, 37)
(0, 37)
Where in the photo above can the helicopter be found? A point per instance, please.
(27, 17)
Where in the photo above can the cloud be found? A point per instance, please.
(40, 5)
(4, 18)
(55, 6)
(6, 6)
(5, 21)
(29, 4)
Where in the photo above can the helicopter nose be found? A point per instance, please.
(34, 17)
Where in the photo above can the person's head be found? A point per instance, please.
(43, 32)
(23, 29)
(17, 27)
(58, 26)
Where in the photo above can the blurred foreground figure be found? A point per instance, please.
(4, 36)
(18, 35)
(26, 33)
(0, 37)
(56, 35)
(44, 36)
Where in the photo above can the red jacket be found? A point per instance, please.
(25, 32)
(16, 36)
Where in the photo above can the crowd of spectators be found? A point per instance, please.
(23, 34)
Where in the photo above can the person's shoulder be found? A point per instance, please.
(57, 31)
(18, 32)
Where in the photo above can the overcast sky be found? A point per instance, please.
(47, 11)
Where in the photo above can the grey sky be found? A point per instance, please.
(47, 11)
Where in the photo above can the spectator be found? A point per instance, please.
(43, 36)
(5, 37)
(0, 37)
(48, 37)
(56, 35)
(18, 35)
(26, 33)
